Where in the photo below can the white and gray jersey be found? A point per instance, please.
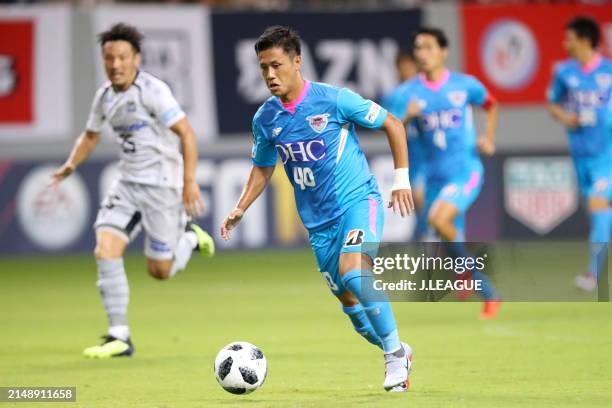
(141, 118)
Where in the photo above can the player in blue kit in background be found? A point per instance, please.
(579, 95)
(394, 102)
(438, 106)
(310, 127)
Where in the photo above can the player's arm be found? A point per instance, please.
(401, 193)
(413, 111)
(396, 105)
(478, 95)
(486, 142)
(86, 142)
(353, 108)
(255, 185)
(84, 145)
(159, 98)
(557, 91)
(192, 199)
(264, 161)
(565, 117)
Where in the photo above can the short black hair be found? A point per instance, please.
(279, 36)
(437, 33)
(122, 32)
(585, 27)
(404, 55)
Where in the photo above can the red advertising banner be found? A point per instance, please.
(513, 49)
(16, 72)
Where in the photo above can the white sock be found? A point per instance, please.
(187, 243)
(119, 332)
(114, 290)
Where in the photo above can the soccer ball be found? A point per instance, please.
(240, 368)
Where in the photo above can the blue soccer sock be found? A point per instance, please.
(420, 231)
(459, 223)
(599, 239)
(362, 324)
(457, 249)
(376, 307)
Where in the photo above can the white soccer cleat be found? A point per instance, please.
(586, 282)
(397, 371)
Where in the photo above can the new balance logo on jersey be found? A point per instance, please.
(354, 238)
(318, 123)
(302, 151)
(449, 119)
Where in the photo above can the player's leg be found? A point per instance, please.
(358, 317)
(355, 275)
(325, 246)
(190, 240)
(361, 232)
(599, 236)
(377, 316)
(442, 219)
(445, 216)
(117, 222)
(171, 239)
(112, 280)
(193, 238)
(417, 180)
(418, 193)
(596, 186)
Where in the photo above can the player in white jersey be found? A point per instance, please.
(156, 190)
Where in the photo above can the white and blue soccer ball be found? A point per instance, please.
(240, 367)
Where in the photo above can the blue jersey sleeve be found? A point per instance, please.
(556, 90)
(263, 153)
(477, 93)
(386, 99)
(354, 108)
(398, 103)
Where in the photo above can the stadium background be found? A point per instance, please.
(536, 354)
(51, 67)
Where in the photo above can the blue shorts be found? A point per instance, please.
(360, 224)
(594, 176)
(461, 191)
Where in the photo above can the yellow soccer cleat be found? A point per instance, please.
(206, 245)
(110, 347)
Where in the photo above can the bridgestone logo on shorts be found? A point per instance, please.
(354, 238)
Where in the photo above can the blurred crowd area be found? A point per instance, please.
(280, 5)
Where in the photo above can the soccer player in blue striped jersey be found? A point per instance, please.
(310, 128)
(394, 102)
(438, 106)
(579, 95)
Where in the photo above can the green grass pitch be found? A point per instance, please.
(533, 355)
